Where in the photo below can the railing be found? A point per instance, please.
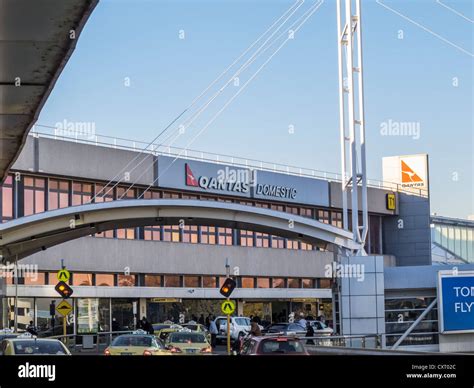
(75, 342)
(369, 341)
(160, 149)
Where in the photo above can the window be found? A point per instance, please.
(307, 283)
(58, 196)
(263, 282)
(103, 280)
(152, 233)
(262, 240)
(292, 210)
(36, 279)
(225, 236)
(125, 192)
(190, 234)
(209, 281)
(126, 280)
(171, 233)
(246, 238)
(292, 244)
(248, 282)
(172, 281)
(306, 212)
(170, 195)
(81, 193)
(82, 279)
(151, 195)
(306, 246)
(126, 234)
(336, 219)
(323, 216)
(153, 281)
(278, 242)
(192, 281)
(34, 195)
(7, 199)
(278, 283)
(325, 283)
(208, 235)
(294, 283)
(278, 208)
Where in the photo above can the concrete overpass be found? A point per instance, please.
(35, 45)
(27, 235)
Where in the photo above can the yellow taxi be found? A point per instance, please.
(188, 342)
(163, 330)
(139, 343)
(27, 345)
(193, 326)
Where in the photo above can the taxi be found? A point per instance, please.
(28, 345)
(198, 327)
(139, 343)
(162, 331)
(188, 342)
(7, 333)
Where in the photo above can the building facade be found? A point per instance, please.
(166, 271)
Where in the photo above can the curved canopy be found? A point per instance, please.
(27, 235)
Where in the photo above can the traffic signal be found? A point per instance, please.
(228, 287)
(63, 289)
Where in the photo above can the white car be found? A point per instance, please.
(320, 328)
(239, 327)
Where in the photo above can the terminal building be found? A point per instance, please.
(174, 266)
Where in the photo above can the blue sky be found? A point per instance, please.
(406, 80)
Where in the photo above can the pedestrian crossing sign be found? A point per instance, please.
(228, 307)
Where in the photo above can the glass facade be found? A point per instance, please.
(455, 238)
(401, 312)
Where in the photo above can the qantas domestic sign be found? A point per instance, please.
(238, 181)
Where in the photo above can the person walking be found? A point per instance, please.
(309, 333)
(31, 328)
(213, 330)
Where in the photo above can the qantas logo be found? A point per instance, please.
(408, 175)
(190, 178)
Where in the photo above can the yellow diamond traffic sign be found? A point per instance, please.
(64, 275)
(228, 307)
(64, 308)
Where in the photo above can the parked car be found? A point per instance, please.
(320, 328)
(239, 327)
(197, 327)
(162, 331)
(285, 329)
(27, 345)
(275, 346)
(139, 343)
(188, 342)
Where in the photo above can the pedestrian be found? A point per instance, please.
(213, 331)
(208, 320)
(302, 321)
(31, 328)
(201, 319)
(309, 333)
(255, 328)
